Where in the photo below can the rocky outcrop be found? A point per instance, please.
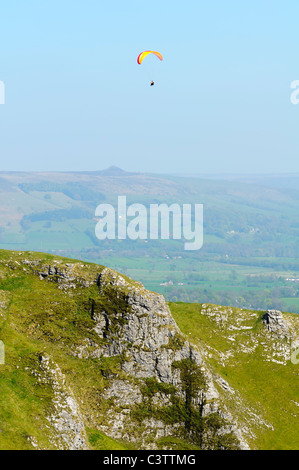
(145, 334)
(274, 322)
(65, 416)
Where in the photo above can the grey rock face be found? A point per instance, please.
(274, 322)
(146, 332)
(147, 336)
(65, 417)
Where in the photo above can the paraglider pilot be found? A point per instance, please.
(152, 83)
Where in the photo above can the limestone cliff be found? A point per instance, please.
(106, 356)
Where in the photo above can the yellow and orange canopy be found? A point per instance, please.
(143, 54)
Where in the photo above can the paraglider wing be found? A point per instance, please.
(143, 54)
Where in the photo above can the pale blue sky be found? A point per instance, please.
(77, 100)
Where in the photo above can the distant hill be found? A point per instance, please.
(112, 171)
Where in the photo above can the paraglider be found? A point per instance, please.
(142, 56)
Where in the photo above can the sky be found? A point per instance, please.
(76, 99)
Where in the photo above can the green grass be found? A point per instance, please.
(264, 385)
(100, 441)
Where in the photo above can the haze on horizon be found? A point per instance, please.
(76, 100)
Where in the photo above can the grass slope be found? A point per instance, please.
(255, 364)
